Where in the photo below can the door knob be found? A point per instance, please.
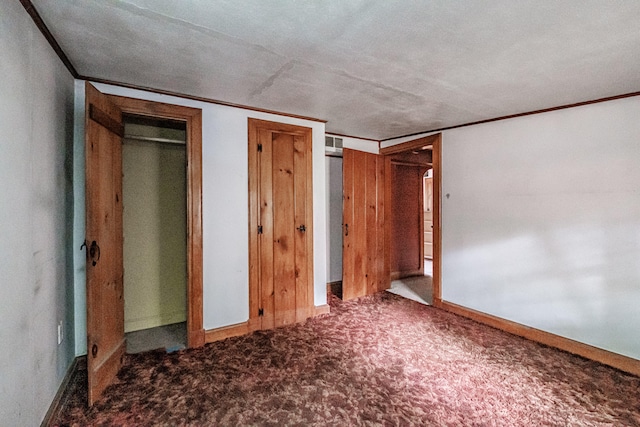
(94, 253)
(302, 228)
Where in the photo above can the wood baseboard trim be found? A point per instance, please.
(322, 309)
(79, 363)
(618, 361)
(197, 338)
(217, 334)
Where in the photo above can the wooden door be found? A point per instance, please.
(105, 304)
(281, 233)
(364, 258)
(428, 217)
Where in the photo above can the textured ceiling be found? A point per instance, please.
(376, 69)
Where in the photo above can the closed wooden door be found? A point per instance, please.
(364, 254)
(281, 229)
(105, 304)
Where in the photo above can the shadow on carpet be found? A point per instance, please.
(379, 360)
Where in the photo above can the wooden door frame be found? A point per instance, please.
(193, 119)
(254, 125)
(436, 142)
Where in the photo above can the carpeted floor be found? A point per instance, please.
(380, 360)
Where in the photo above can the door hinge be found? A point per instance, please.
(259, 148)
(259, 229)
(261, 312)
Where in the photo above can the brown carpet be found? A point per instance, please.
(380, 360)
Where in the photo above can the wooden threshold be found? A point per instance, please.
(618, 361)
(322, 309)
(218, 334)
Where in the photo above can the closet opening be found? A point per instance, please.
(154, 193)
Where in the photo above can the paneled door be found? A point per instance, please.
(364, 255)
(428, 217)
(281, 229)
(105, 303)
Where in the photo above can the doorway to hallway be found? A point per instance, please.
(414, 216)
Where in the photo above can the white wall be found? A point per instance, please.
(154, 201)
(334, 218)
(36, 213)
(541, 222)
(359, 144)
(79, 257)
(225, 207)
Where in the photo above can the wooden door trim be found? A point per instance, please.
(436, 142)
(410, 145)
(437, 219)
(254, 125)
(193, 119)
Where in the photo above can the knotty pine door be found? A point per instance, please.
(281, 229)
(105, 304)
(364, 256)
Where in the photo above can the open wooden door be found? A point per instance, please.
(105, 304)
(281, 224)
(364, 254)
